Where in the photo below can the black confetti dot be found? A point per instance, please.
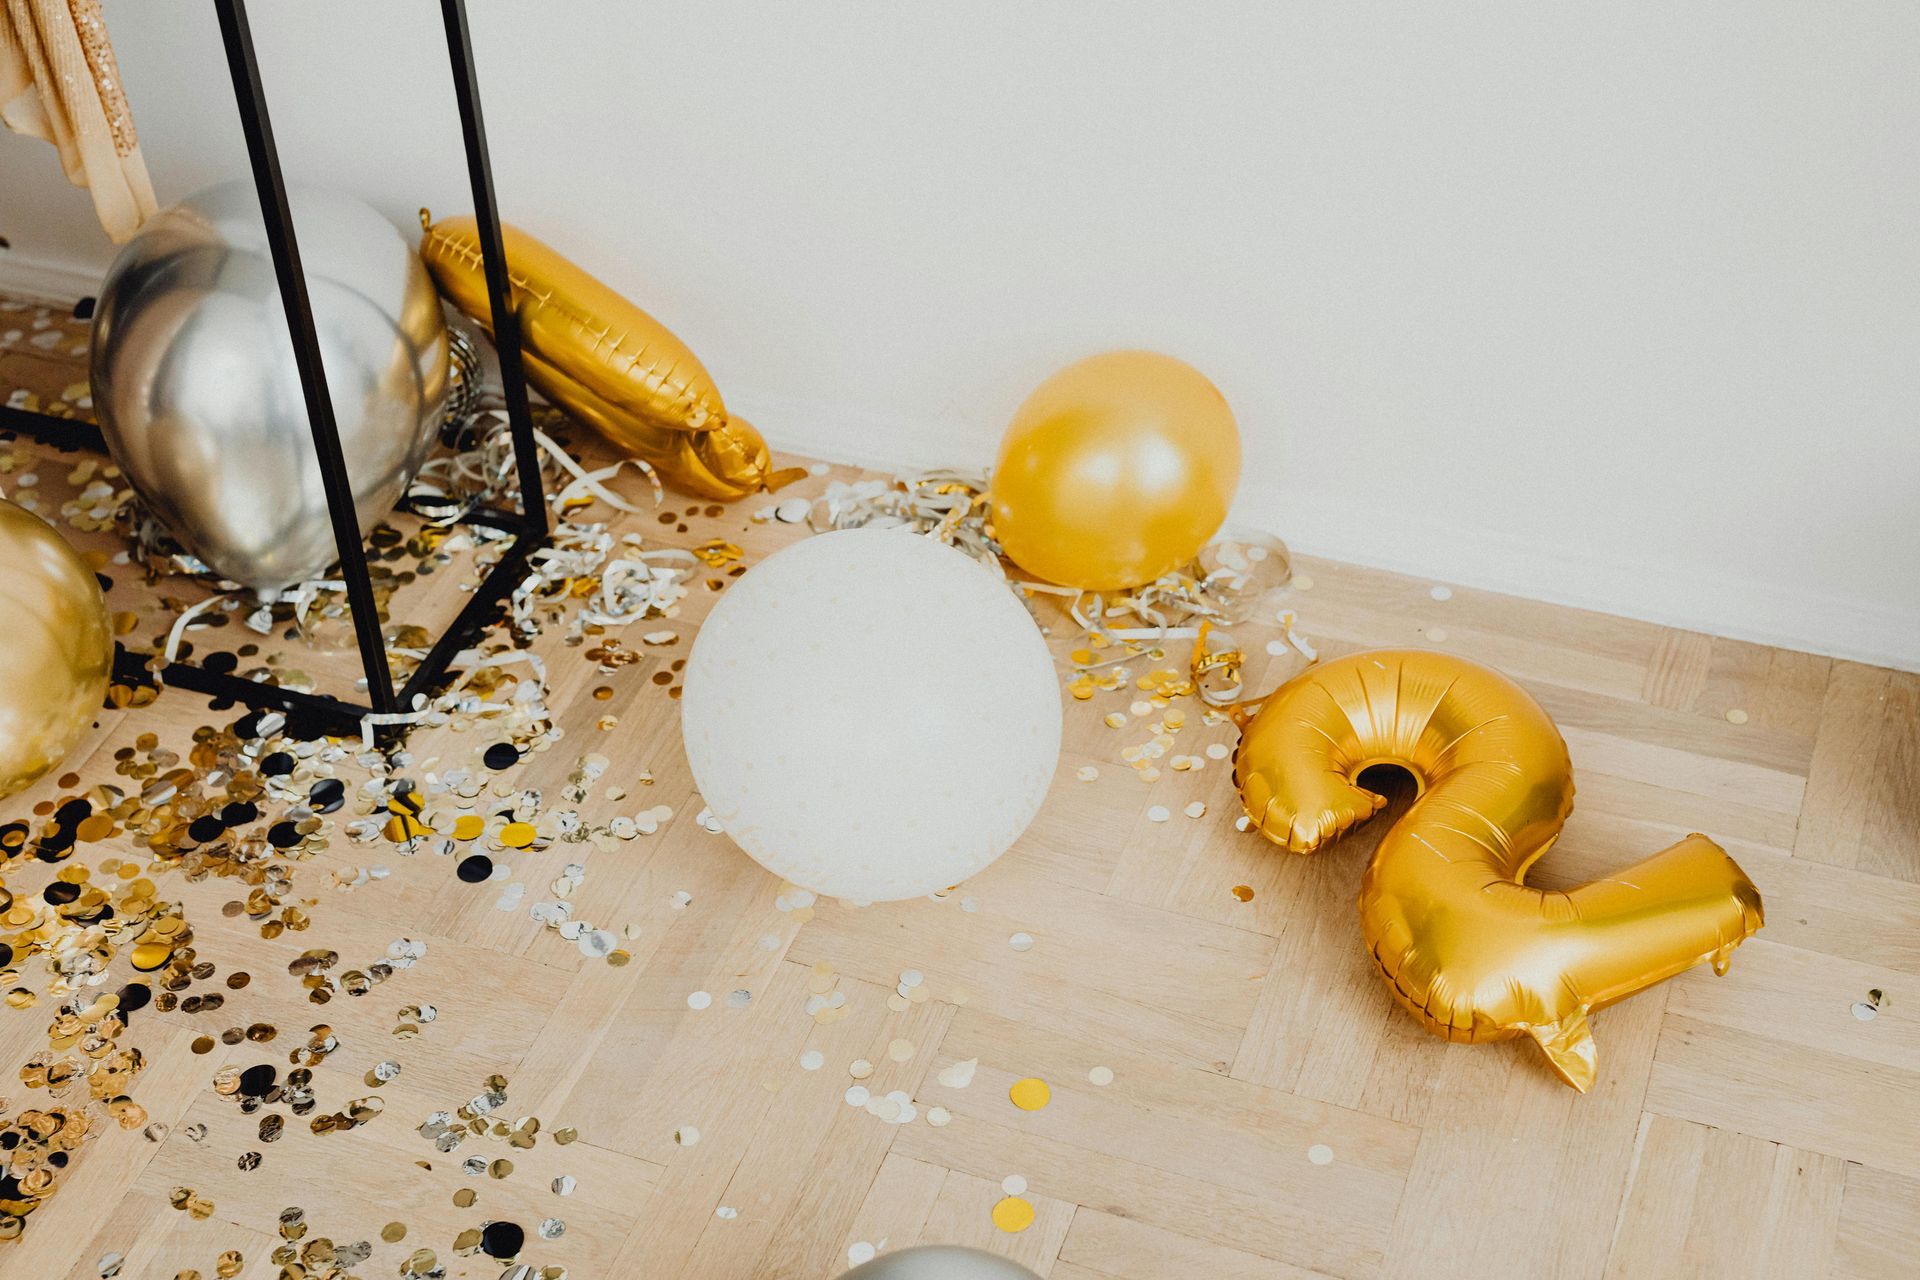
(255, 1081)
(247, 726)
(283, 835)
(6, 955)
(502, 1239)
(475, 869)
(327, 795)
(59, 893)
(220, 663)
(206, 828)
(277, 765)
(501, 755)
(135, 995)
(239, 814)
(72, 813)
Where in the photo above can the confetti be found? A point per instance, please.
(1030, 1094)
(1320, 1153)
(1013, 1215)
(1021, 942)
(959, 1075)
(1101, 1076)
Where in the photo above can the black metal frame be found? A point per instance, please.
(529, 525)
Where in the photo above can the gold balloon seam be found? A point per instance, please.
(1465, 944)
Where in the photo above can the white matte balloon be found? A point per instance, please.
(940, 1262)
(871, 715)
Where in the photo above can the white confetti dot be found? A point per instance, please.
(1736, 716)
(857, 1096)
(959, 1075)
(727, 1212)
(699, 1000)
(1437, 634)
(1219, 751)
(1102, 1076)
(1198, 809)
(939, 1117)
(1441, 593)
(686, 1135)
(812, 1060)
(793, 511)
(1014, 1185)
(1086, 773)
(1302, 582)
(1865, 1010)
(860, 1069)
(1021, 942)
(1320, 1153)
(912, 978)
(1158, 813)
(1276, 647)
(860, 1252)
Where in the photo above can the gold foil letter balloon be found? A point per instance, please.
(58, 650)
(1115, 470)
(1466, 946)
(605, 361)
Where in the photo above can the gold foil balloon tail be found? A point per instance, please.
(604, 361)
(1465, 944)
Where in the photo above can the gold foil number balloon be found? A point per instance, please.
(1465, 944)
(58, 651)
(605, 361)
(1115, 470)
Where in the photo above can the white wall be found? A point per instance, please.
(1609, 303)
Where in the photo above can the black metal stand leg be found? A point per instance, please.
(493, 254)
(529, 526)
(306, 347)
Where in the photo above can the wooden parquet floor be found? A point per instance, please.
(1271, 1114)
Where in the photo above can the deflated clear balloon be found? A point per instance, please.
(201, 403)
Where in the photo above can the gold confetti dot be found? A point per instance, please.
(1244, 892)
(394, 1232)
(1013, 1215)
(1030, 1094)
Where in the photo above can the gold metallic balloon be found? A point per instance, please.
(58, 650)
(1465, 945)
(1115, 470)
(605, 361)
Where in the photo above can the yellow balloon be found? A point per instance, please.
(605, 361)
(58, 651)
(1445, 911)
(1115, 470)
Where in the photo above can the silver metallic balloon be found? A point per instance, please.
(939, 1262)
(197, 393)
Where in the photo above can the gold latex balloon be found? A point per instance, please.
(604, 361)
(58, 650)
(1465, 945)
(1115, 470)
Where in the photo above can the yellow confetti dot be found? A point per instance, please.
(468, 826)
(1244, 892)
(1030, 1094)
(1013, 1215)
(517, 835)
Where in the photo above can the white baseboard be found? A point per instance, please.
(1789, 615)
(44, 281)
